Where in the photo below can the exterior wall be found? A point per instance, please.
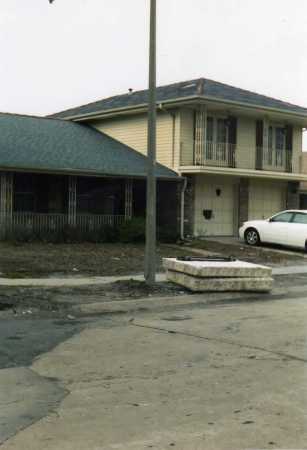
(246, 143)
(189, 206)
(297, 149)
(187, 137)
(175, 138)
(243, 200)
(303, 165)
(266, 198)
(132, 131)
(293, 195)
(223, 207)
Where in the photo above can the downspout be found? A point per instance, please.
(183, 189)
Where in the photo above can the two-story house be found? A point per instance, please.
(239, 151)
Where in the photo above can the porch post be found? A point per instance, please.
(6, 203)
(243, 200)
(72, 201)
(128, 199)
(200, 136)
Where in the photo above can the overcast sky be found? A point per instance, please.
(77, 51)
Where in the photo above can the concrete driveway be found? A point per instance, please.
(234, 240)
(218, 377)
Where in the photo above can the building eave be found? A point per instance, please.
(141, 108)
(247, 173)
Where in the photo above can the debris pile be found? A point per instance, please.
(218, 274)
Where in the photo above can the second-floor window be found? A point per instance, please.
(277, 142)
(217, 138)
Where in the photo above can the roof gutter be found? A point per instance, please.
(143, 107)
(84, 173)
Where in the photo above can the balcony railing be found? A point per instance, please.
(273, 159)
(217, 154)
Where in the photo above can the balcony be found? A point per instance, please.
(273, 159)
(217, 154)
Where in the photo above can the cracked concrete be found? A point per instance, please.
(223, 377)
(27, 398)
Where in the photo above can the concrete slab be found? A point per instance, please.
(197, 284)
(208, 269)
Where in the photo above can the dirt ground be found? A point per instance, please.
(43, 260)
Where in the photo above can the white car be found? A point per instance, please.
(285, 228)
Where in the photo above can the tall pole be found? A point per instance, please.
(150, 248)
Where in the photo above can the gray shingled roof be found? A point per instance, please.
(35, 143)
(201, 87)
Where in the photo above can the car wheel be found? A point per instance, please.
(252, 237)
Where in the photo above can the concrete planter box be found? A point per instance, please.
(200, 276)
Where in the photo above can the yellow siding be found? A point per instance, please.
(187, 137)
(132, 131)
(246, 143)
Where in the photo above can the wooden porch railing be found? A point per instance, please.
(40, 222)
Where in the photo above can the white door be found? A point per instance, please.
(297, 230)
(214, 207)
(276, 229)
(265, 199)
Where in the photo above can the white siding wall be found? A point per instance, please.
(266, 198)
(223, 207)
(132, 131)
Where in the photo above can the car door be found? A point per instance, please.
(297, 230)
(277, 228)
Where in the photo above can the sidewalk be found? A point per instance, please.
(90, 281)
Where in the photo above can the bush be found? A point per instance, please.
(132, 230)
(21, 234)
(167, 236)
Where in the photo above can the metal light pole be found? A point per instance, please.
(151, 195)
(150, 248)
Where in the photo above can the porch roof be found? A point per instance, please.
(51, 145)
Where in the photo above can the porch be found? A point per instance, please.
(41, 204)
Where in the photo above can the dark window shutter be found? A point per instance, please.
(289, 146)
(232, 130)
(259, 133)
(259, 144)
(289, 137)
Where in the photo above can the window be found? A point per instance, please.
(300, 218)
(280, 142)
(276, 145)
(217, 138)
(270, 142)
(210, 133)
(283, 217)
